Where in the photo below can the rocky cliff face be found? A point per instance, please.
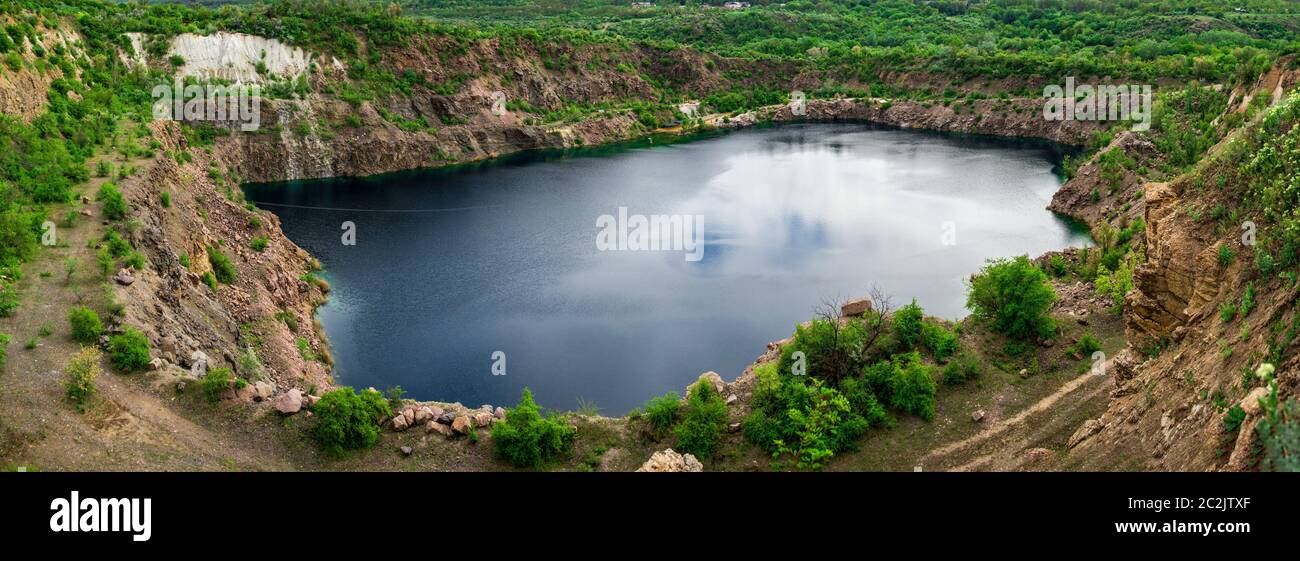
(267, 312)
(1185, 365)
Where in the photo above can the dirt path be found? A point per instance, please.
(999, 447)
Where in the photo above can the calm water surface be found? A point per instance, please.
(453, 265)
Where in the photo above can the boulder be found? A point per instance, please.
(290, 402)
(124, 277)
(406, 450)
(435, 426)
(309, 401)
(400, 423)
(198, 363)
(669, 461)
(409, 414)
(263, 390)
(854, 308)
(423, 415)
(446, 418)
(500, 413)
(462, 424)
(483, 419)
(977, 416)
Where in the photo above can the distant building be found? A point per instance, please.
(735, 5)
(643, 4)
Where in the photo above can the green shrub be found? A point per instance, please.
(209, 280)
(83, 369)
(941, 341)
(828, 424)
(963, 368)
(1227, 311)
(9, 300)
(1279, 436)
(908, 323)
(347, 420)
(1015, 296)
(864, 402)
(704, 421)
(259, 243)
(111, 198)
(1087, 345)
(4, 342)
(222, 268)
(663, 412)
(1226, 255)
(215, 382)
(166, 199)
(86, 327)
(526, 439)
(129, 351)
(832, 350)
(913, 388)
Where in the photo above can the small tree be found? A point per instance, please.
(215, 383)
(222, 267)
(83, 369)
(1015, 296)
(525, 439)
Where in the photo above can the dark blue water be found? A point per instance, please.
(451, 266)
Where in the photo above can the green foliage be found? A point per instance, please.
(4, 342)
(961, 369)
(907, 325)
(86, 327)
(215, 382)
(259, 243)
(704, 421)
(347, 420)
(526, 439)
(1015, 296)
(110, 197)
(1226, 255)
(1279, 436)
(83, 369)
(833, 349)
(1087, 345)
(222, 268)
(663, 412)
(827, 424)
(913, 388)
(129, 351)
(939, 340)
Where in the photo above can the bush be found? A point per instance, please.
(1015, 296)
(347, 420)
(4, 342)
(111, 199)
(663, 412)
(8, 299)
(525, 439)
(913, 388)
(215, 383)
(963, 368)
(1226, 255)
(1279, 436)
(259, 243)
(86, 327)
(1087, 345)
(828, 424)
(864, 402)
(704, 421)
(941, 341)
(831, 350)
(907, 323)
(129, 351)
(83, 369)
(222, 268)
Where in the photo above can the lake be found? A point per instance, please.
(540, 264)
